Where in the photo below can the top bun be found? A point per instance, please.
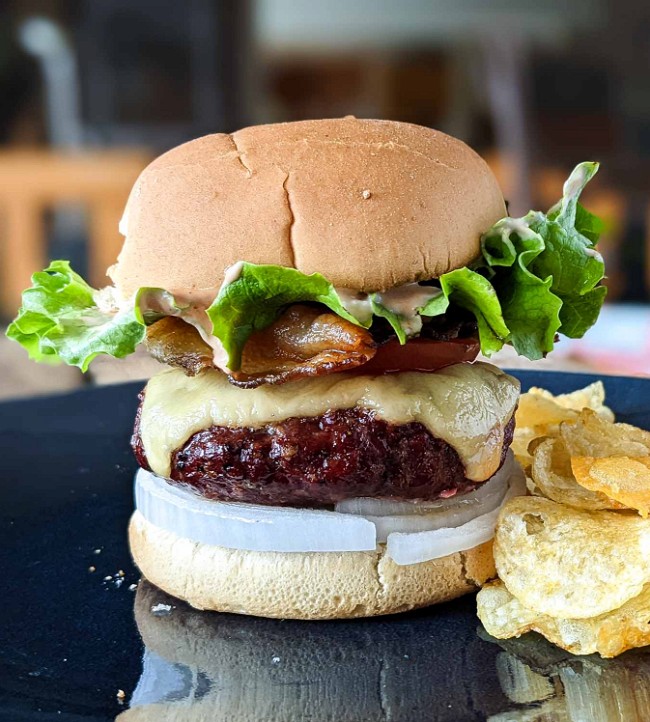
(370, 204)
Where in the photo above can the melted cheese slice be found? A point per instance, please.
(466, 405)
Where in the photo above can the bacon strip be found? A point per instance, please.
(302, 342)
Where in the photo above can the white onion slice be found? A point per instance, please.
(410, 538)
(414, 523)
(423, 546)
(252, 527)
(449, 516)
(483, 499)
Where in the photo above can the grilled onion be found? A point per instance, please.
(303, 341)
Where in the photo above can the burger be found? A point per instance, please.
(324, 443)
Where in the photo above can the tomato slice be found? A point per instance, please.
(420, 354)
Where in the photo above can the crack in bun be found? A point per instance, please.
(370, 204)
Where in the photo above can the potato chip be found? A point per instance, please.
(591, 435)
(539, 407)
(619, 477)
(609, 634)
(540, 414)
(552, 475)
(570, 563)
(531, 486)
(522, 438)
(537, 441)
(536, 411)
(590, 397)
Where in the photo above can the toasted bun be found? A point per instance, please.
(312, 585)
(319, 195)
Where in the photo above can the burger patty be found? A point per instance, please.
(319, 461)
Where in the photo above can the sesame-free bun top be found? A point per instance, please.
(370, 204)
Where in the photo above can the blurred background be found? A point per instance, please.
(91, 91)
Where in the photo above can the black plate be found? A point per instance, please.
(68, 640)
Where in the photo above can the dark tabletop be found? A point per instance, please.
(69, 641)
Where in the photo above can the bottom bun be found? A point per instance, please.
(310, 585)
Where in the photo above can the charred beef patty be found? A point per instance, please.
(318, 461)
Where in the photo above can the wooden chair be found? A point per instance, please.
(33, 181)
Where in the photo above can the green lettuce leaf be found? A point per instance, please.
(537, 276)
(393, 318)
(579, 313)
(470, 290)
(60, 321)
(589, 225)
(257, 296)
(545, 270)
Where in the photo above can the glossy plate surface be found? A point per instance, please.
(69, 641)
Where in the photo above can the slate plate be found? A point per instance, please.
(68, 640)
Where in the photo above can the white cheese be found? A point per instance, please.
(466, 405)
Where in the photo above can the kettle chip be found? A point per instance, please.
(570, 563)
(591, 435)
(624, 479)
(553, 477)
(609, 634)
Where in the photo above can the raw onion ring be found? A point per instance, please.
(448, 526)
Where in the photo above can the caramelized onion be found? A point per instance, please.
(173, 341)
(303, 342)
(306, 342)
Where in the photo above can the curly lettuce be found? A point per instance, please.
(545, 270)
(256, 297)
(60, 320)
(536, 277)
(470, 290)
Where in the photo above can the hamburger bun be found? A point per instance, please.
(311, 585)
(321, 196)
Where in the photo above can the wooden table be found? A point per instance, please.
(33, 181)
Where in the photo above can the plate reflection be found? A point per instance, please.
(209, 666)
(547, 684)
